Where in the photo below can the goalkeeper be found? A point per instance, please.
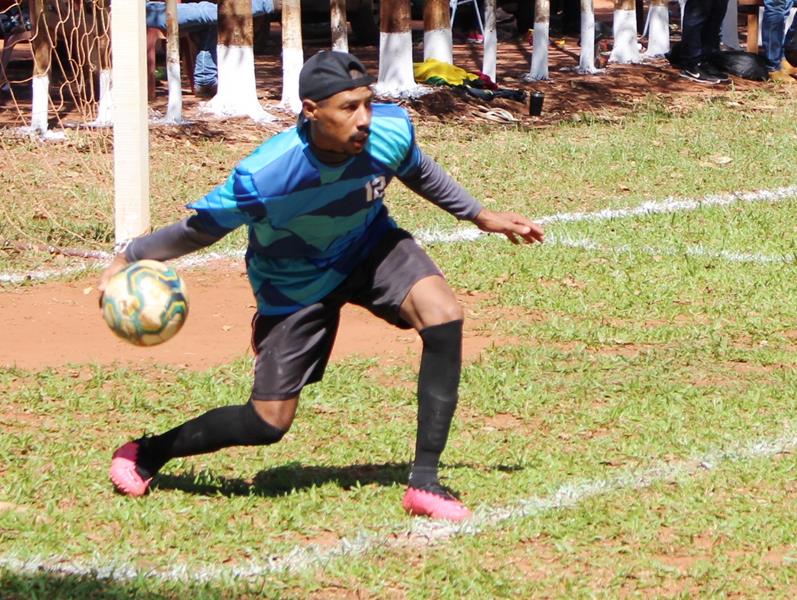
(319, 237)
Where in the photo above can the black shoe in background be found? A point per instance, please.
(699, 74)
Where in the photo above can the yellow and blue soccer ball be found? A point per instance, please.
(146, 303)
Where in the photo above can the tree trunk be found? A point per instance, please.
(292, 55)
(586, 63)
(626, 49)
(103, 21)
(338, 24)
(539, 55)
(42, 52)
(174, 110)
(395, 49)
(237, 90)
(490, 40)
(437, 42)
(658, 29)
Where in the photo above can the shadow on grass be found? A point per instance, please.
(54, 586)
(286, 479)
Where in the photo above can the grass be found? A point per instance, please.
(615, 360)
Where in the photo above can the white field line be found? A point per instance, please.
(651, 207)
(697, 251)
(421, 532)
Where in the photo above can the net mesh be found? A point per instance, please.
(59, 196)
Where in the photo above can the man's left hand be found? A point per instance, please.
(516, 227)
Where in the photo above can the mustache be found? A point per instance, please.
(361, 134)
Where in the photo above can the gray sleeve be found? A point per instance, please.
(430, 181)
(170, 242)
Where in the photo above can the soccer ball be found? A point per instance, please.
(145, 303)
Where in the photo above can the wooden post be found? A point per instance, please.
(586, 61)
(658, 29)
(490, 58)
(174, 110)
(437, 42)
(337, 21)
(131, 129)
(42, 51)
(542, 27)
(292, 55)
(626, 49)
(395, 48)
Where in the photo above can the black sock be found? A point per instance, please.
(438, 383)
(218, 428)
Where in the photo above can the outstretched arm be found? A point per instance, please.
(516, 227)
(171, 241)
(430, 181)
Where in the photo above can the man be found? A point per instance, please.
(319, 237)
(773, 38)
(702, 22)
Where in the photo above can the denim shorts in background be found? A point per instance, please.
(200, 18)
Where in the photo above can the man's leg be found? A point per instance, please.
(432, 309)
(205, 70)
(306, 335)
(696, 15)
(772, 34)
(711, 31)
(256, 423)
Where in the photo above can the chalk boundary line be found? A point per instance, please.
(421, 533)
(425, 236)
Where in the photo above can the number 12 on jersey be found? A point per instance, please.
(375, 188)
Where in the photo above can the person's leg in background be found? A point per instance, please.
(696, 15)
(689, 54)
(772, 37)
(711, 31)
(790, 49)
(205, 69)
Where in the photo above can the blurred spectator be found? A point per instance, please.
(772, 37)
(699, 40)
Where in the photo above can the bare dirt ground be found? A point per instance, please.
(55, 324)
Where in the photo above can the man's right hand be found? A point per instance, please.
(118, 263)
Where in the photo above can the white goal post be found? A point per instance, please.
(130, 121)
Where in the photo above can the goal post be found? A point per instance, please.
(130, 121)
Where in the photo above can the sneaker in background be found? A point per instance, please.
(701, 74)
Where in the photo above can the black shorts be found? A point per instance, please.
(292, 350)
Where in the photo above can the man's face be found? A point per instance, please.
(341, 123)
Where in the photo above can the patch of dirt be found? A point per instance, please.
(59, 324)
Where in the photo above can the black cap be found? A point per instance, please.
(327, 73)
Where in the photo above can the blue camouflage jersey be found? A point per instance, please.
(310, 224)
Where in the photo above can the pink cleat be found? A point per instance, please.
(123, 471)
(435, 502)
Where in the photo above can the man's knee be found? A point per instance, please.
(439, 314)
(431, 302)
(277, 413)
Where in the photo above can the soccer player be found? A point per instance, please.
(319, 237)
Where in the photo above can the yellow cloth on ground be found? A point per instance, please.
(432, 68)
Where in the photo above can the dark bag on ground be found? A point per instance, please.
(741, 64)
(790, 47)
(734, 62)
